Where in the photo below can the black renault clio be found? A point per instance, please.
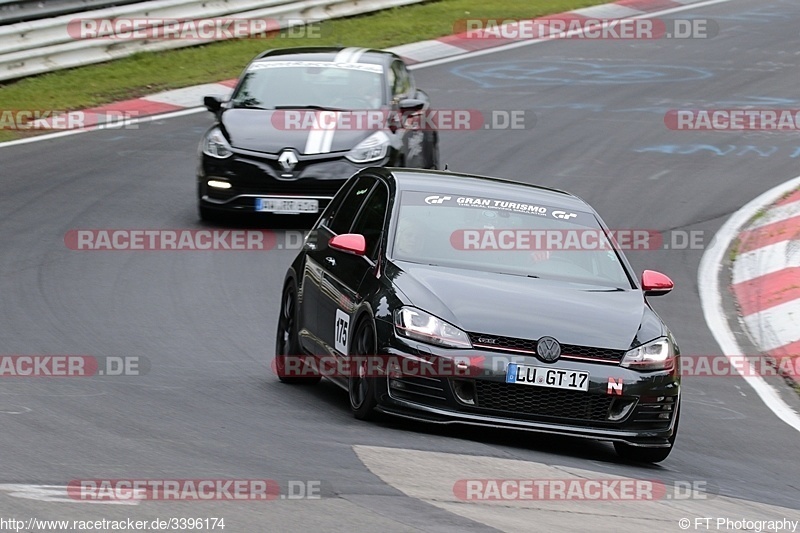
(301, 121)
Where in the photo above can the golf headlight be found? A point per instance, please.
(421, 326)
(372, 148)
(655, 355)
(215, 145)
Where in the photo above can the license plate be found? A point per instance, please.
(271, 205)
(539, 376)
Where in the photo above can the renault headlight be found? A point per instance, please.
(215, 145)
(421, 326)
(372, 148)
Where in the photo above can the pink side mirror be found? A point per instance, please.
(655, 283)
(349, 242)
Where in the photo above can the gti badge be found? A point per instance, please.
(287, 159)
(548, 349)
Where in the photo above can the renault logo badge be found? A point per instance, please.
(548, 349)
(288, 159)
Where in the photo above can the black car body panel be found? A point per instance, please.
(245, 130)
(502, 314)
(609, 318)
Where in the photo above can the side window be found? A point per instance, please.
(342, 219)
(401, 88)
(333, 207)
(371, 219)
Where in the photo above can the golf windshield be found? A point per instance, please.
(506, 236)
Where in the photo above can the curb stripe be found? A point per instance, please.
(649, 5)
(794, 197)
(790, 351)
(766, 260)
(776, 213)
(189, 96)
(426, 50)
(768, 291)
(775, 327)
(784, 230)
(608, 11)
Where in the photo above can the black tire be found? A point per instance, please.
(287, 346)
(361, 387)
(648, 455)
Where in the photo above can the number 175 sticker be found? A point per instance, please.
(341, 333)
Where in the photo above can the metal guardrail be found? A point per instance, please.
(13, 11)
(35, 47)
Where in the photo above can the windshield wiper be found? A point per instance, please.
(251, 106)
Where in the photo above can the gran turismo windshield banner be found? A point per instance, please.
(364, 67)
(500, 205)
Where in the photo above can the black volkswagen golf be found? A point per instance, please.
(301, 121)
(452, 298)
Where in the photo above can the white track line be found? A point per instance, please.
(116, 126)
(711, 298)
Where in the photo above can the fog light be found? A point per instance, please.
(217, 184)
(464, 391)
(620, 409)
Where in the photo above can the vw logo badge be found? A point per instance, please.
(548, 349)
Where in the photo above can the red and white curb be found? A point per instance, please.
(447, 47)
(765, 244)
(766, 279)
